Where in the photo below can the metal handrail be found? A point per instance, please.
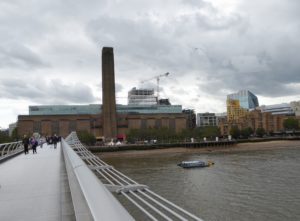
(154, 207)
(8, 150)
(100, 203)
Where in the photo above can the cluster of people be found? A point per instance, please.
(34, 143)
(53, 140)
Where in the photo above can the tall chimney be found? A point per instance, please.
(108, 94)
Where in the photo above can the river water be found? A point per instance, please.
(253, 185)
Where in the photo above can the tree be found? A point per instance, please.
(291, 124)
(211, 131)
(235, 132)
(86, 138)
(4, 138)
(15, 135)
(246, 132)
(260, 132)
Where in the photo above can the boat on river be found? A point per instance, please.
(195, 163)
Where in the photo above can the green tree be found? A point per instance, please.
(291, 124)
(260, 132)
(4, 138)
(246, 132)
(211, 131)
(14, 135)
(235, 132)
(86, 138)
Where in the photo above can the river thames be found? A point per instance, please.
(252, 185)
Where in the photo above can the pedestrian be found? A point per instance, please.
(55, 140)
(34, 144)
(25, 142)
(41, 142)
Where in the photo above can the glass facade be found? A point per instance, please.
(247, 99)
(238, 104)
(97, 108)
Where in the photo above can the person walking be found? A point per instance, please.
(25, 142)
(55, 140)
(34, 144)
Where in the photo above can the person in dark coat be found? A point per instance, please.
(25, 142)
(55, 140)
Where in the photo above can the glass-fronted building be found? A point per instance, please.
(246, 99)
(238, 104)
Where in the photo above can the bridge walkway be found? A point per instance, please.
(35, 187)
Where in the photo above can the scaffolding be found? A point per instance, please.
(141, 97)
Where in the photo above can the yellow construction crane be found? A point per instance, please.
(157, 81)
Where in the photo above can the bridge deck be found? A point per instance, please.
(35, 187)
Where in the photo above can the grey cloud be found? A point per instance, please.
(52, 92)
(255, 48)
(16, 55)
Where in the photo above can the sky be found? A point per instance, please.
(50, 51)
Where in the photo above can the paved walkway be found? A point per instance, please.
(35, 187)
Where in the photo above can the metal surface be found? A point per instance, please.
(153, 206)
(95, 201)
(8, 150)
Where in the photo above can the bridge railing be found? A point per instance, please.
(91, 200)
(150, 204)
(8, 150)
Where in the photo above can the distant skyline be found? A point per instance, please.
(50, 51)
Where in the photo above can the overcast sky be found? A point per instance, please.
(50, 51)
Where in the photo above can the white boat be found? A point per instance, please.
(195, 163)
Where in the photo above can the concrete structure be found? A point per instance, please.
(11, 128)
(35, 187)
(277, 109)
(206, 119)
(295, 105)
(141, 97)
(108, 94)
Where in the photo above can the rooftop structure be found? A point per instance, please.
(276, 109)
(65, 109)
(97, 109)
(141, 97)
(206, 119)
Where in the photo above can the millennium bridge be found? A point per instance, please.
(71, 183)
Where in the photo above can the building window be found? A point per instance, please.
(143, 124)
(37, 126)
(72, 126)
(157, 123)
(55, 127)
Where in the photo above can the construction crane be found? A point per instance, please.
(157, 81)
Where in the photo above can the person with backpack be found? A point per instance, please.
(34, 144)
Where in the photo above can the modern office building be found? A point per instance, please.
(238, 104)
(206, 119)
